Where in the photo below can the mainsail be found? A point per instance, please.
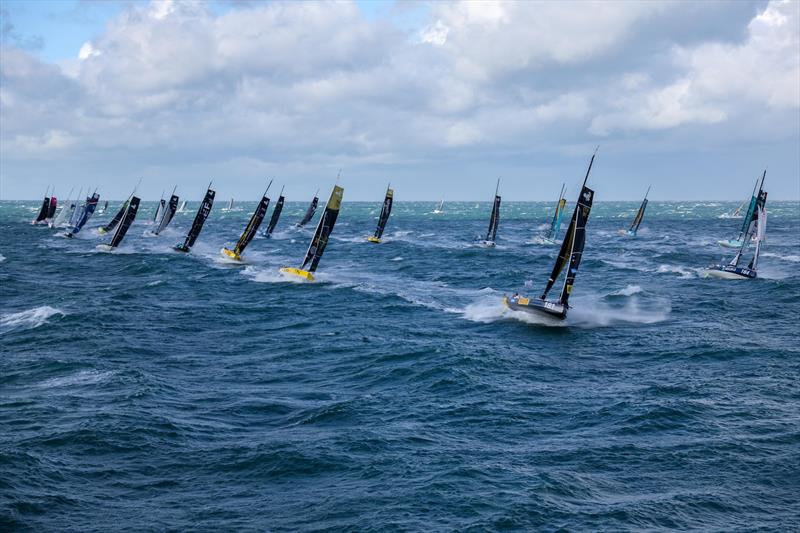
(66, 208)
(494, 219)
(199, 220)
(324, 229)
(310, 211)
(386, 210)
(85, 213)
(276, 214)
(756, 229)
(555, 225)
(51, 210)
(752, 209)
(574, 241)
(127, 220)
(167, 213)
(159, 209)
(637, 220)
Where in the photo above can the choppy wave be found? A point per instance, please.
(30, 319)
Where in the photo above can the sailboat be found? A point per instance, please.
(103, 209)
(199, 220)
(51, 210)
(757, 231)
(251, 228)
(114, 221)
(83, 215)
(276, 214)
(749, 218)
(229, 206)
(66, 210)
(122, 228)
(439, 210)
(383, 218)
(555, 225)
(182, 208)
(159, 208)
(312, 208)
(637, 220)
(320, 239)
(570, 255)
(736, 213)
(166, 215)
(494, 220)
(42, 214)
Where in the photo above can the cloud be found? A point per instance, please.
(287, 83)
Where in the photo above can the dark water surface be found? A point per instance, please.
(149, 390)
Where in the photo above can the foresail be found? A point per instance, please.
(127, 220)
(578, 239)
(323, 231)
(253, 225)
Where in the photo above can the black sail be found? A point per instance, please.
(114, 221)
(637, 221)
(253, 225)
(324, 229)
(199, 219)
(386, 210)
(167, 214)
(309, 212)
(578, 228)
(51, 210)
(565, 253)
(494, 220)
(43, 209)
(127, 220)
(276, 214)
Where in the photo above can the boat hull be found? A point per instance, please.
(230, 254)
(181, 248)
(104, 247)
(730, 272)
(730, 243)
(488, 244)
(627, 233)
(537, 307)
(373, 239)
(302, 274)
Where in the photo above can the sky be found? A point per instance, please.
(439, 98)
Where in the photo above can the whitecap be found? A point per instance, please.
(30, 319)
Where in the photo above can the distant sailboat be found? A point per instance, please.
(251, 228)
(312, 208)
(570, 256)
(637, 220)
(51, 210)
(320, 239)
(383, 218)
(182, 208)
(230, 206)
(120, 213)
(64, 212)
(555, 225)
(199, 220)
(42, 214)
(439, 210)
(166, 215)
(127, 219)
(103, 209)
(757, 231)
(494, 220)
(276, 214)
(162, 204)
(736, 213)
(749, 218)
(83, 215)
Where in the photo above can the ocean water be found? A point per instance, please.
(150, 390)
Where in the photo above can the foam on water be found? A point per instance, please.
(29, 319)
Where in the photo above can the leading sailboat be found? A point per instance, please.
(757, 232)
(320, 239)
(570, 255)
(637, 220)
(386, 210)
(494, 220)
(250, 230)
